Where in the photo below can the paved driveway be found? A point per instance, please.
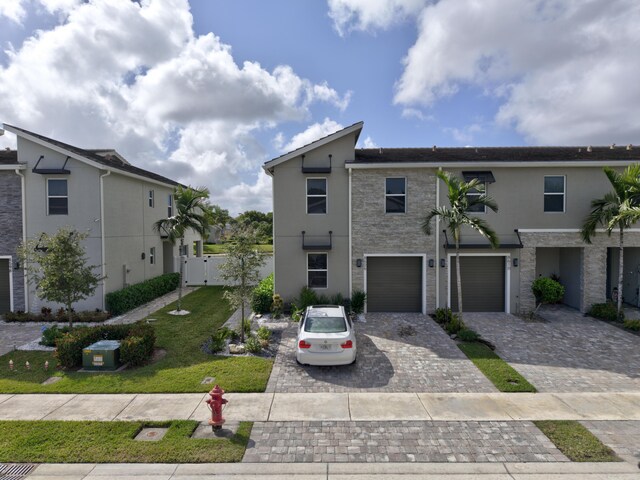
(568, 352)
(397, 352)
(13, 335)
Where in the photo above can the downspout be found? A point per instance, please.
(24, 237)
(102, 222)
(438, 242)
(350, 252)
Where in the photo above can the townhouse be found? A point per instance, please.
(350, 219)
(46, 184)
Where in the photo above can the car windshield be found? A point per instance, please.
(325, 325)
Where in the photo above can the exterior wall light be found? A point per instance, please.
(515, 262)
(442, 262)
(359, 262)
(142, 256)
(431, 263)
(17, 266)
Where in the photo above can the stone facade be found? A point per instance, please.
(376, 232)
(11, 232)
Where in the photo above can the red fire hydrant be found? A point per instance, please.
(216, 403)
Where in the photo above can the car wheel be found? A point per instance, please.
(354, 361)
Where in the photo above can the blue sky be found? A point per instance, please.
(206, 91)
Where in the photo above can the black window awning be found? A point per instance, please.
(484, 176)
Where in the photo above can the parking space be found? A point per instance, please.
(567, 352)
(397, 352)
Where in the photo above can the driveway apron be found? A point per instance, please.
(567, 352)
(397, 352)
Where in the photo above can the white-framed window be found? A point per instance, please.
(316, 195)
(170, 205)
(554, 193)
(152, 255)
(474, 195)
(395, 195)
(317, 270)
(57, 196)
(151, 198)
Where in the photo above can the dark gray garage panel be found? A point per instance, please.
(482, 284)
(394, 284)
(5, 288)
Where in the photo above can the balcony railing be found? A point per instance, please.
(316, 242)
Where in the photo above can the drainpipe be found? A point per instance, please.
(438, 243)
(102, 249)
(24, 237)
(350, 245)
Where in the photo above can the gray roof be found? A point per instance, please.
(8, 157)
(108, 158)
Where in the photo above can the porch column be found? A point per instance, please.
(593, 275)
(527, 276)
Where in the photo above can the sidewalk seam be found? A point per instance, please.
(114, 419)
(197, 405)
(424, 406)
(273, 397)
(59, 407)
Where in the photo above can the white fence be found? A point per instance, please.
(206, 270)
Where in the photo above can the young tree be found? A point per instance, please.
(192, 212)
(619, 209)
(241, 269)
(458, 215)
(57, 266)
(219, 218)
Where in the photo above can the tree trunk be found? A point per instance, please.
(620, 272)
(458, 279)
(70, 313)
(181, 270)
(242, 304)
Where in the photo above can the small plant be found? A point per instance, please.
(606, 311)
(52, 334)
(247, 328)
(467, 335)
(277, 306)
(253, 345)
(454, 325)
(323, 300)
(262, 296)
(61, 314)
(263, 333)
(632, 325)
(307, 298)
(443, 315)
(219, 341)
(296, 313)
(358, 298)
(45, 312)
(547, 290)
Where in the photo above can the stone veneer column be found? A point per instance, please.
(527, 277)
(593, 278)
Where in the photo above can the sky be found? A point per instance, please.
(206, 91)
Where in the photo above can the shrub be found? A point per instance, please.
(605, 311)
(52, 334)
(46, 316)
(296, 313)
(357, 301)
(128, 298)
(262, 296)
(338, 299)
(307, 298)
(253, 345)
(443, 315)
(467, 335)
(547, 290)
(263, 333)
(323, 300)
(277, 306)
(454, 325)
(247, 328)
(632, 325)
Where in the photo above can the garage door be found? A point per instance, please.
(482, 284)
(394, 284)
(5, 288)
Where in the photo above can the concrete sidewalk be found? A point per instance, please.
(272, 407)
(334, 471)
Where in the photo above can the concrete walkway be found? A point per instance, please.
(281, 407)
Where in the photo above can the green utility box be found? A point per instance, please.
(102, 355)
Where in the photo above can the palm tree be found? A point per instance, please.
(457, 215)
(619, 209)
(192, 212)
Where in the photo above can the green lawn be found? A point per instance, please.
(501, 374)
(214, 248)
(181, 370)
(576, 441)
(111, 442)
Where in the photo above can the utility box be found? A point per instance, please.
(102, 355)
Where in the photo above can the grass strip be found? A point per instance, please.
(113, 442)
(217, 248)
(180, 371)
(501, 374)
(576, 442)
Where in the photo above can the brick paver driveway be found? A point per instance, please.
(397, 352)
(568, 352)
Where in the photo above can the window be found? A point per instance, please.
(57, 197)
(472, 196)
(317, 270)
(395, 195)
(152, 255)
(170, 205)
(316, 195)
(151, 203)
(554, 191)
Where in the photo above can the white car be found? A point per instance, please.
(326, 337)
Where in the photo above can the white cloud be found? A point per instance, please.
(349, 15)
(312, 133)
(566, 71)
(369, 143)
(13, 10)
(464, 134)
(415, 113)
(135, 77)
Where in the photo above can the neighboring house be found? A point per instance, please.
(349, 219)
(47, 184)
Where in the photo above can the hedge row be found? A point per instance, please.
(137, 341)
(60, 316)
(131, 297)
